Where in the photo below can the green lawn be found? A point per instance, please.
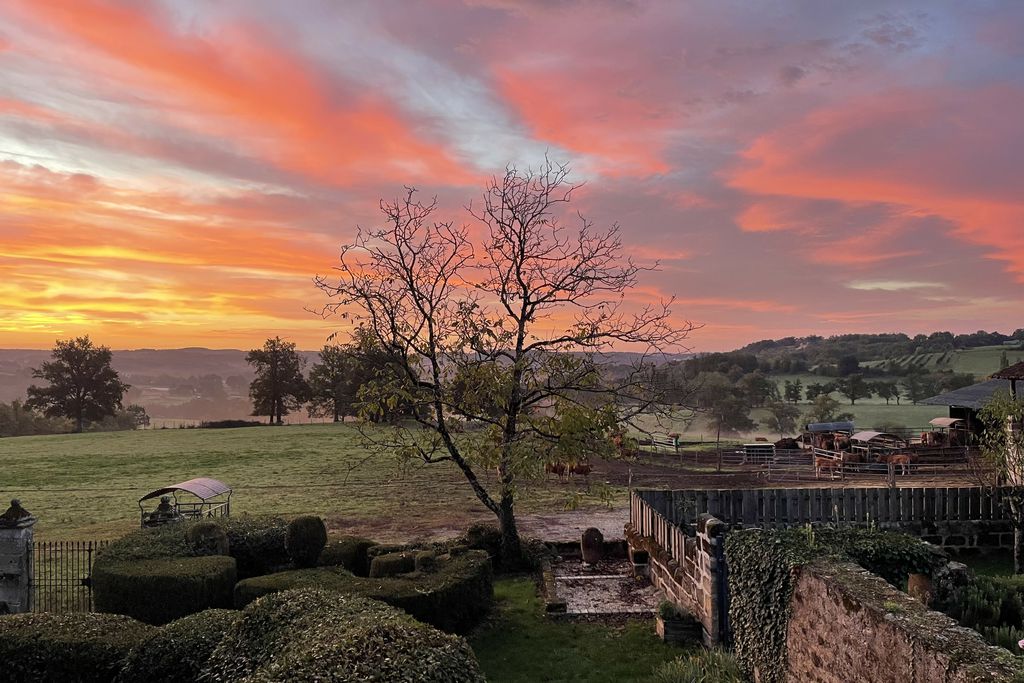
(86, 486)
(520, 645)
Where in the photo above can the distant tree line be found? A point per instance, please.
(82, 393)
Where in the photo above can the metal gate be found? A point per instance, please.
(62, 575)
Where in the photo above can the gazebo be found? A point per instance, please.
(206, 498)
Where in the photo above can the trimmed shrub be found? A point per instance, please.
(257, 543)
(454, 597)
(162, 590)
(706, 666)
(305, 540)
(592, 545)
(426, 561)
(349, 552)
(207, 538)
(393, 564)
(178, 651)
(482, 537)
(147, 544)
(310, 635)
(76, 648)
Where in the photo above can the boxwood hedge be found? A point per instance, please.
(178, 651)
(453, 597)
(349, 552)
(72, 648)
(314, 635)
(162, 590)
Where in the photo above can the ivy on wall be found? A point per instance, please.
(762, 574)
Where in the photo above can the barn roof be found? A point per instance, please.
(945, 421)
(974, 396)
(1013, 372)
(203, 488)
(830, 427)
(871, 435)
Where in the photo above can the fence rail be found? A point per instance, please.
(62, 575)
(649, 522)
(793, 507)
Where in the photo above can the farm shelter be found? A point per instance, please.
(965, 403)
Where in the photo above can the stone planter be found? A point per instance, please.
(677, 631)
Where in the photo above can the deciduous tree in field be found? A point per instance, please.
(502, 324)
(854, 387)
(279, 387)
(782, 417)
(82, 385)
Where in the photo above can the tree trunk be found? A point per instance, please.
(79, 424)
(1018, 536)
(336, 413)
(511, 547)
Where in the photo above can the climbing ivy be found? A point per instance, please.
(762, 575)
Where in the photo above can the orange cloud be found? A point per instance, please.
(623, 134)
(239, 85)
(881, 151)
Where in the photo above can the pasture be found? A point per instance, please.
(86, 486)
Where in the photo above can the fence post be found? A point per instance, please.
(16, 532)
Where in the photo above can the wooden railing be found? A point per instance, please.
(799, 506)
(649, 522)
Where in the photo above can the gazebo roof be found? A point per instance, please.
(203, 488)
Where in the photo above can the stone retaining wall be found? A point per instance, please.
(850, 625)
(694, 581)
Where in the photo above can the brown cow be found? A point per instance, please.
(558, 468)
(842, 442)
(581, 468)
(901, 460)
(822, 463)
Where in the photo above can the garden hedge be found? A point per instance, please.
(180, 650)
(256, 543)
(453, 597)
(393, 564)
(76, 648)
(315, 635)
(305, 540)
(349, 552)
(162, 590)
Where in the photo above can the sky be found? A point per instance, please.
(175, 173)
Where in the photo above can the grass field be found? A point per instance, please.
(86, 486)
(980, 362)
(520, 645)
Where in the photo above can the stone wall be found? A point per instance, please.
(972, 536)
(849, 625)
(693, 581)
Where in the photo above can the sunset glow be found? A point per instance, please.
(175, 173)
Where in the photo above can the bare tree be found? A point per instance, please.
(508, 334)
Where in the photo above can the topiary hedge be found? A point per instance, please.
(257, 544)
(311, 635)
(349, 552)
(453, 597)
(305, 540)
(76, 648)
(393, 564)
(180, 650)
(162, 590)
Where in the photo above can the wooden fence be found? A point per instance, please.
(784, 507)
(651, 523)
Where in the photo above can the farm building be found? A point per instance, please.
(964, 403)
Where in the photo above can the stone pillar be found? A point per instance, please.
(16, 559)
